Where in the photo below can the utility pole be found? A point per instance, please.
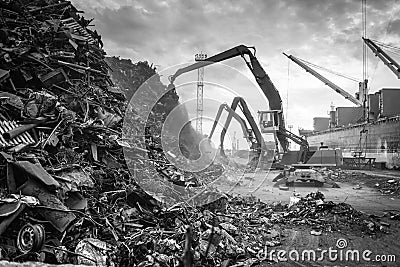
(290, 127)
(364, 84)
(200, 84)
(234, 148)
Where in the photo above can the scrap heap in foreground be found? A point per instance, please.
(66, 193)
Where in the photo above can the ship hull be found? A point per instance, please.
(379, 140)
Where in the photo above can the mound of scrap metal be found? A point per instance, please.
(59, 126)
(66, 193)
(62, 168)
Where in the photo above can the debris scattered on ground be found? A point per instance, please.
(322, 215)
(357, 187)
(389, 187)
(313, 232)
(381, 182)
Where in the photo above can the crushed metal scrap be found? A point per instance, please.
(66, 194)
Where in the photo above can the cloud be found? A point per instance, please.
(325, 32)
(394, 27)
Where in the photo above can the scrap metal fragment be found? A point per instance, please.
(51, 208)
(7, 127)
(36, 171)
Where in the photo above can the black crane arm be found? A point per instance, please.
(304, 146)
(262, 78)
(386, 59)
(295, 138)
(239, 101)
(324, 80)
(233, 52)
(246, 131)
(231, 112)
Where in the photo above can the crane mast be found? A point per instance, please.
(200, 88)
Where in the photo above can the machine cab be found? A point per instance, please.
(269, 121)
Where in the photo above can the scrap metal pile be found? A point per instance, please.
(327, 216)
(389, 187)
(62, 166)
(386, 185)
(66, 193)
(60, 119)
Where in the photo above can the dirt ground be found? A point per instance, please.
(367, 198)
(299, 239)
(357, 189)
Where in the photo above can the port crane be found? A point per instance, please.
(386, 59)
(356, 101)
(277, 124)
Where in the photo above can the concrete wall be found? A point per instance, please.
(321, 124)
(348, 115)
(389, 102)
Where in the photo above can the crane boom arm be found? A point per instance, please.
(325, 80)
(297, 139)
(231, 112)
(386, 59)
(254, 65)
(246, 112)
(263, 80)
(303, 143)
(233, 52)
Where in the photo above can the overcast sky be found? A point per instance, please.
(324, 32)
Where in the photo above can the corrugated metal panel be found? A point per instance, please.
(78, 29)
(24, 138)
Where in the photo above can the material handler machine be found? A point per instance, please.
(252, 134)
(270, 121)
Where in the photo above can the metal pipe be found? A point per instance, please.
(19, 130)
